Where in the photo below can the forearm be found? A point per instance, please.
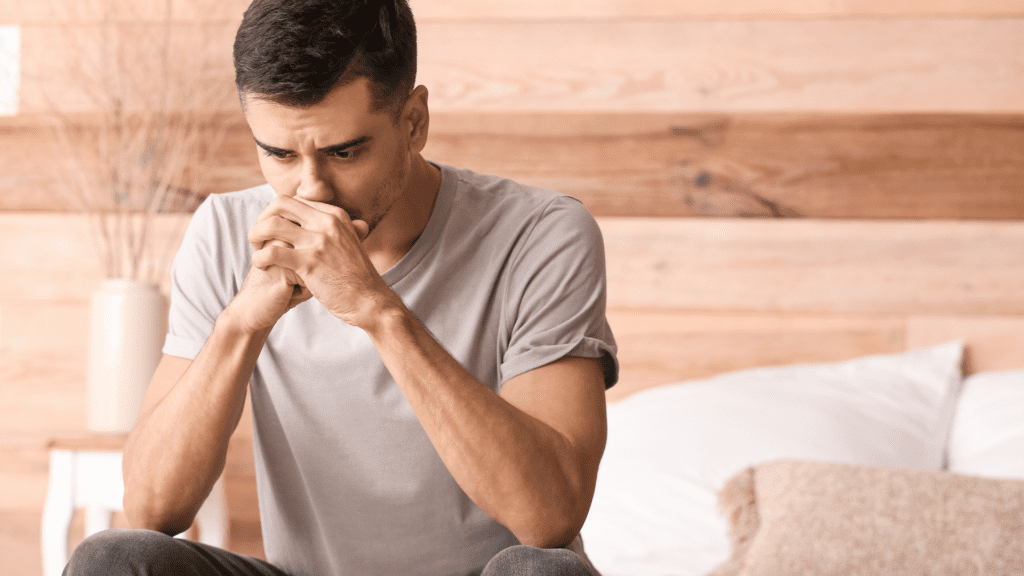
(178, 446)
(520, 471)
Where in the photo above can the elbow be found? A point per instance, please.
(551, 534)
(552, 527)
(555, 516)
(151, 512)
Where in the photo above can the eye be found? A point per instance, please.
(344, 154)
(276, 155)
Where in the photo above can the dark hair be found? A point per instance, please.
(294, 52)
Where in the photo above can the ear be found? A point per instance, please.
(417, 118)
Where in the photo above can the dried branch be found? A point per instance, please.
(143, 128)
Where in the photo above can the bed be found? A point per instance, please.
(813, 397)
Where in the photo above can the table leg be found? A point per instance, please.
(97, 519)
(60, 506)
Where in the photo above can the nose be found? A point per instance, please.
(313, 186)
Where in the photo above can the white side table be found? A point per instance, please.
(86, 473)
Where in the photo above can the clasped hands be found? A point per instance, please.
(304, 250)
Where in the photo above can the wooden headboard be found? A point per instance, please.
(694, 297)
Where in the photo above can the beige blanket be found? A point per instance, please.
(801, 518)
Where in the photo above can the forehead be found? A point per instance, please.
(346, 112)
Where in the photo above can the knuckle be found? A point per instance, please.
(323, 220)
(339, 214)
(275, 225)
(272, 208)
(256, 232)
(317, 253)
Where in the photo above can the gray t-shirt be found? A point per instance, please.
(506, 277)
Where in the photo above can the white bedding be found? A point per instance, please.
(670, 449)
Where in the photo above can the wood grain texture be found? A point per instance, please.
(819, 166)
(992, 343)
(36, 172)
(665, 346)
(66, 68)
(53, 258)
(633, 9)
(911, 65)
(24, 471)
(862, 65)
(783, 165)
(810, 266)
(41, 395)
(33, 11)
(813, 266)
(20, 543)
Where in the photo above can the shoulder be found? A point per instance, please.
(522, 206)
(474, 186)
(537, 228)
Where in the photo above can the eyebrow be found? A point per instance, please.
(333, 148)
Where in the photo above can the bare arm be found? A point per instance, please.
(179, 444)
(176, 450)
(528, 457)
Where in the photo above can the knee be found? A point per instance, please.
(532, 561)
(117, 552)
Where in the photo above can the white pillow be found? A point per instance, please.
(670, 449)
(988, 428)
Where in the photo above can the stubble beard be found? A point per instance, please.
(390, 191)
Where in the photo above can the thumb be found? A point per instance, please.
(362, 229)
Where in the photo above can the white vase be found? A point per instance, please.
(127, 325)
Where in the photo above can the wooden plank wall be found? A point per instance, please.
(863, 109)
(855, 109)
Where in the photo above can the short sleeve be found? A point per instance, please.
(204, 276)
(557, 293)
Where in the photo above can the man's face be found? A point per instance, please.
(340, 151)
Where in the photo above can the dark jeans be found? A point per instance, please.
(149, 553)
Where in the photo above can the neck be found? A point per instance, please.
(396, 234)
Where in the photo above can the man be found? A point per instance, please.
(426, 347)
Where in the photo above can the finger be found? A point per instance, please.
(329, 209)
(285, 232)
(301, 212)
(275, 255)
(292, 278)
(261, 258)
(362, 229)
(277, 242)
(299, 295)
(273, 242)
